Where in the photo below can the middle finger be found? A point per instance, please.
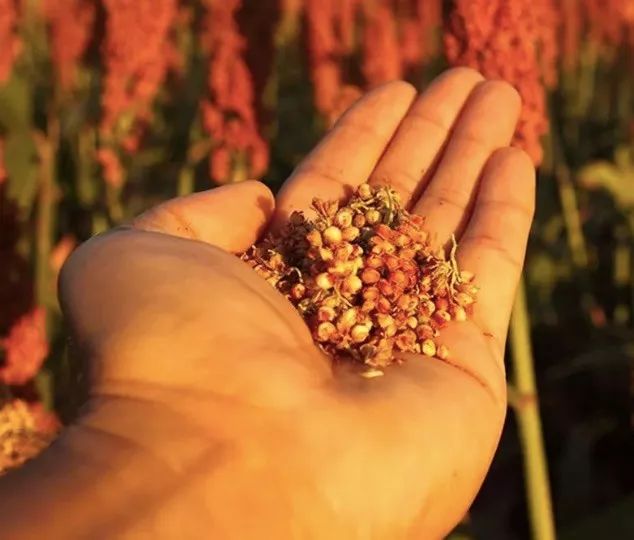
(409, 160)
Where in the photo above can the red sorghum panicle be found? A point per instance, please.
(511, 41)
(25, 430)
(381, 53)
(9, 41)
(136, 53)
(135, 40)
(61, 251)
(370, 295)
(228, 113)
(420, 22)
(71, 26)
(325, 48)
(25, 348)
(609, 22)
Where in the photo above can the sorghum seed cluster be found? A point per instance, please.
(366, 279)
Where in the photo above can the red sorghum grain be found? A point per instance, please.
(366, 279)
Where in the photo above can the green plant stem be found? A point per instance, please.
(86, 183)
(622, 273)
(44, 222)
(572, 218)
(45, 217)
(113, 203)
(186, 180)
(529, 422)
(45, 229)
(577, 246)
(630, 221)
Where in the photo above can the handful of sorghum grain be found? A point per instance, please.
(365, 278)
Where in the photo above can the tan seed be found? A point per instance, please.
(364, 191)
(352, 284)
(324, 281)
(371, 293)
(374, 261)
(402, 240)
(407, 253)
(343, 252)
(314, 238)
(370, 276)
(350, 233)
(383, 305)
(326, 254)
(392, 262)
(428, 347)
(372, 217)
(458, 313)
(405, 340)
(326, 314)
(424, 332)
(425, 283)
(347, 319)
(384, 320)
(426, 308)
(466, 276)
(358, 220)
(343, 218)
(442, 304)
(385, 287)
(442, 352)
(359, 333)
(399, 279)
(368, 306)
(325, 331)
(390, 330)
(412, 322)
(441, 317)
(332, 235)
(407, 302)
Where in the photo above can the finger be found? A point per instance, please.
(494, 243)
(486, 123)
(231, 217)
(409, 159)
(349, 152)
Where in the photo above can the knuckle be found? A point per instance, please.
(449, 197)
(425, 119)
(493, 244)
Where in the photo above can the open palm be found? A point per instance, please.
(204, 367)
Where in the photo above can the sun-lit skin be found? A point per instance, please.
(213, 415)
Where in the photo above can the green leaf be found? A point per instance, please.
(16, 109)
(20, 160)
(615, 177)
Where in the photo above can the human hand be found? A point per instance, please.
(202, 370)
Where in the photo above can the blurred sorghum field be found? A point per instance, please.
(110, 106)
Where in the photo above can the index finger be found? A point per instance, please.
(349, 152)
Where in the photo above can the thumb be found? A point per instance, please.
(230, 217)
